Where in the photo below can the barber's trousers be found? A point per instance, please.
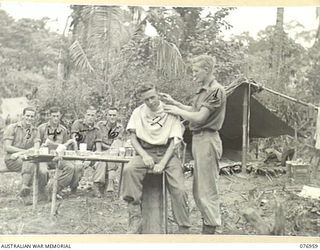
(132, 181)
(206, 151)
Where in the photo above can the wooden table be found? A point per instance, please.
(154, 199)
(37, 158)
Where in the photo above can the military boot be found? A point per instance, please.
(206, 229)
(98, 189)
(135, 219)
(183, 230)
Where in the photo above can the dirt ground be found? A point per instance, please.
(83, 214)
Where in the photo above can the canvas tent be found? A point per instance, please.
(260, 121)
(263, 123)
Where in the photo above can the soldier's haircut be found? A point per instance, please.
(113, 108)
(92, 108)
(205, 61)
(28, 109)
(54, 109)
(142, 88)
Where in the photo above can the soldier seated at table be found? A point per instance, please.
(112, 131)
(52, 134)
(67, 121)
(85, 131)
(154, 136)
(19, 139)
(43, 117)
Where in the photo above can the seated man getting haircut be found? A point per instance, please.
(154, 135)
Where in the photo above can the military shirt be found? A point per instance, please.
(58, 135)
(213, 98)
(20, 136)
(85, 133)
(109, 134)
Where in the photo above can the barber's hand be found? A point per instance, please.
(171, 109)
(167, 98)
(148, 161)
(158, 168)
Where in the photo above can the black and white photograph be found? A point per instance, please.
(179, 120)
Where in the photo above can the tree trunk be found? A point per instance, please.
(277, 48)
(317, 38)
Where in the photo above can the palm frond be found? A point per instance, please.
(168, 59)
(107, 29)
(79, 57)
(137, 13)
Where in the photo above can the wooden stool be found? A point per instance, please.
(154, 204)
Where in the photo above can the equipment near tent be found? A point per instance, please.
(246, 117)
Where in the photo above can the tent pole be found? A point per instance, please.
(295, 141)
(285, 96)
(245, 126)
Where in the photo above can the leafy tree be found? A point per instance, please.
(28, 55)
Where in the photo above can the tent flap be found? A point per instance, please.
(263, 123)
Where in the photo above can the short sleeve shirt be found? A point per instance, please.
(109, 134)
(213, 98)
(20, 136)
(85, 133)
(58, 135)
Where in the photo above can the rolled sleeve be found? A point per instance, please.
(9, 133)
(214, 99)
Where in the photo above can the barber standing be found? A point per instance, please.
(206, 117)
